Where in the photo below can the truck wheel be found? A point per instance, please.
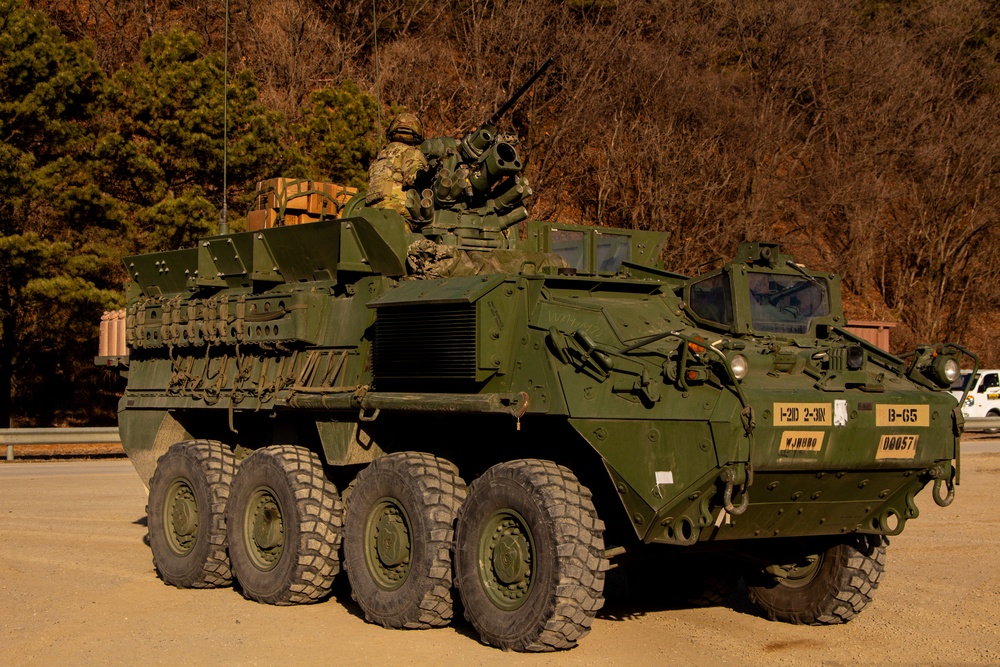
(398, 536)
(992, 413)
(529, 559)
(824, 588)
(285, 519)
(186, 514)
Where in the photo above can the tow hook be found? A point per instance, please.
(728, 477)
(937, 474)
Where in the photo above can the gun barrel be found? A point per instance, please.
(520, 91)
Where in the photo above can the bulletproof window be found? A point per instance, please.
(612, 250)
(786, 304)
(571, 246)
(712, 299)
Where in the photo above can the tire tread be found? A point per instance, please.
(862, 561)
(580, 550)
(443, 491)
(321, 521)
(218, 464)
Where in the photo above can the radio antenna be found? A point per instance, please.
(378, 89)
(224, 216)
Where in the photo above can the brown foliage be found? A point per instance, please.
(859, 133)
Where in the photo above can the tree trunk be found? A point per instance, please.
(8, 349)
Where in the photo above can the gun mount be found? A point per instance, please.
(478, 185)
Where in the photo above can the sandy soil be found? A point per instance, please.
(77, 587)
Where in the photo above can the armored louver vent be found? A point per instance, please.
(838, 359)
(428, 343)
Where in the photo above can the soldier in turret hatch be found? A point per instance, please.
(397, 166)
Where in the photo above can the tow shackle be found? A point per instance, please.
(728, 476)
(936, 491)
(938, 475)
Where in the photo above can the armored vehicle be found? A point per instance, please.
(469, 411)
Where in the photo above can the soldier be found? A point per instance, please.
(397, 166)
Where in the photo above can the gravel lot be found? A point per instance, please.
(77, 587)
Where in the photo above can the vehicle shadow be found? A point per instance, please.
(628, 597)
(144, 522)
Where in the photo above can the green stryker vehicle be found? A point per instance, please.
(504, 417)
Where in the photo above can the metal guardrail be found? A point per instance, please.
(57, 436)
(981, 423)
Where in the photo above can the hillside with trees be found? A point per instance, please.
(860, 134)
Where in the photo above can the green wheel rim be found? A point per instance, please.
(264, 529)
(801, 574)
(180, 517)
(388, 544)
(506, 559)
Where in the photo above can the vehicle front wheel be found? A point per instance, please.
(400, 529)
(186, 514)
(821, 586)
(529, 559)
(285, 519)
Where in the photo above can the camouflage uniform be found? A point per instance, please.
(397, 167)
(393, 172)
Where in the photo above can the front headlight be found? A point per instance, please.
(855, 357)
(740, 366)
(946, 370)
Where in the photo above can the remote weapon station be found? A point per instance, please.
(467, 411)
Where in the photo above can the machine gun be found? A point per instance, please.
(484, 139)
(477, 185)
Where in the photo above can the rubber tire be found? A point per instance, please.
(992, 413)
(430, 491)
(848, 576)
(312, 516)
(207, 467)
(568, 557)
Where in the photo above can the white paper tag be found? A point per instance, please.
(840, 413)
(664, 477)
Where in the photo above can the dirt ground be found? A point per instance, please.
(77, 587)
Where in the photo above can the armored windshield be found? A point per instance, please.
(712, 299)
(786, 304)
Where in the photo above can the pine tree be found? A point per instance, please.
(163, 152)
(56, 227)
(337, 138)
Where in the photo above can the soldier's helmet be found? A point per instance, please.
(407, 128)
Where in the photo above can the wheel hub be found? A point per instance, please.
(388, 542)
(265, 529)
(796, 575)
(510, 559)
(181, 517)
(506, 555)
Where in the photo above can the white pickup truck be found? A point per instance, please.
(984, 395)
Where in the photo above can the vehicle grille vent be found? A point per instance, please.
(838, 358)
(431, 343)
